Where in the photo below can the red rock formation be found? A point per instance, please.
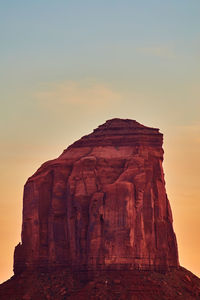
(110, 285)
(101, 205)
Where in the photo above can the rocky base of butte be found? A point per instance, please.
(177, 284)
(97, 223)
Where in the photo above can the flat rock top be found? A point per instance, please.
(127, 125)
(120, 132)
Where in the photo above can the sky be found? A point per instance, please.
(68, 66)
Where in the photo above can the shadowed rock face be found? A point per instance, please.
(101, 205)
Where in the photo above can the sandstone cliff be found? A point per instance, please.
(97, 224)
(102, 205)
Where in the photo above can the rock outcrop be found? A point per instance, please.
(177, 284)
(101, 205)
(97, 224)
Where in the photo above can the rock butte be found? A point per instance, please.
(100, 206)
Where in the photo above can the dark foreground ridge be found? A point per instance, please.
(97, 223)
(125, 285)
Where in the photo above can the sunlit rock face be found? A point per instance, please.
(102, 205)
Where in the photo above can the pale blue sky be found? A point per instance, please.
(148, 47)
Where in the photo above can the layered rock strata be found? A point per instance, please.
(101, 205)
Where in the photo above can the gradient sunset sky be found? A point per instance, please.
(68, 66)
